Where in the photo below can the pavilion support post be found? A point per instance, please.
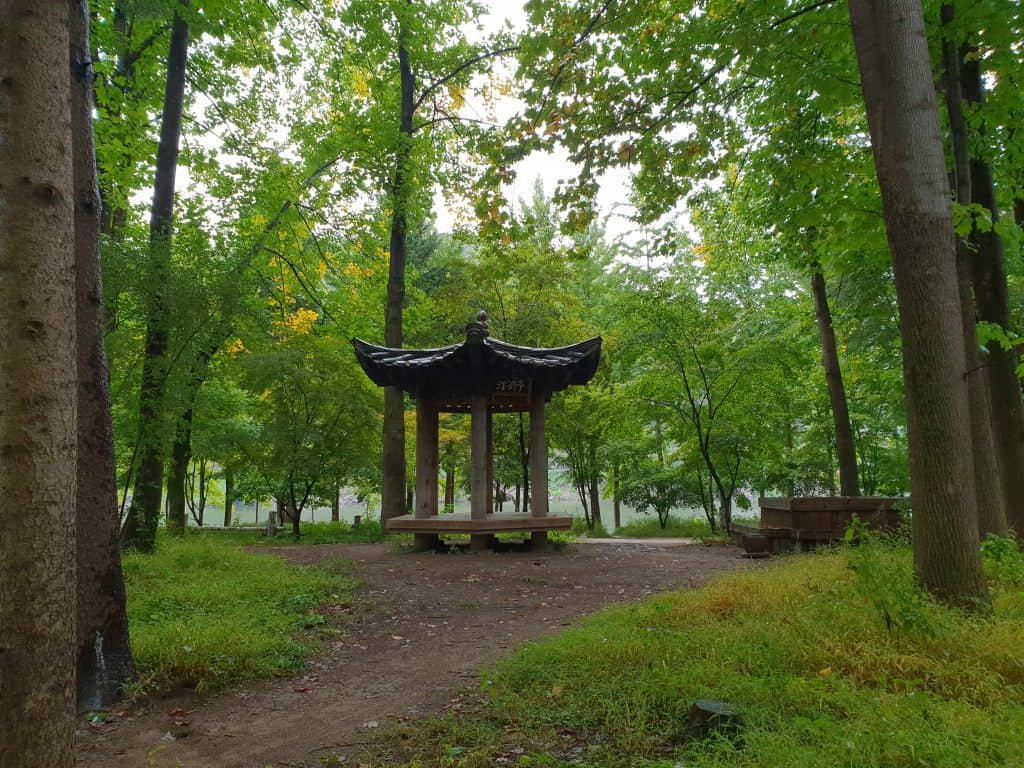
(490, 462)
(538, 467)
(479, 445)
(426, 470)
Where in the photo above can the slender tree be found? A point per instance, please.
(104, 651)
(845, 446)
(393, 489)
(143, 515)
(38, 423)
(896, 77)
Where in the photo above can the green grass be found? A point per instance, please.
(208, 614)
(310, 533)
(675, 527)
(801, 649)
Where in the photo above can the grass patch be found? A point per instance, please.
(339, 532)
(675, 527)
(206, 614)
(801, 649)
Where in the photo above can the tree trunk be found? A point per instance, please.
(229, 496)
(336, 504)
(140, 528)
(987, 480)
(524, 459)
(845, 447)
(449, 489)
(992, 298)
(104, 652)
(899, 95)
(595, 500)
(38, 429)
(295, 514)
(616, 495)
(393, 488)
(181, 454)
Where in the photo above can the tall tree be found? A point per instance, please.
(845, 447)
(988, 271)
(38, 425)
(143, 515)
(393, 487)
(989, 491)
(899, 95)
(104, 651)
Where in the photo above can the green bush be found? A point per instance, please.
(204, 613)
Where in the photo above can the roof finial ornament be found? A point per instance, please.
(477, 331)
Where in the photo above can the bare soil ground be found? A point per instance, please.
(426, 625)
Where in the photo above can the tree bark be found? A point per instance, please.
(988, 490)
(896, 77)
(181, 454)
(449, 489)
(143, 514)
(104, 652)
(992, 298)
(845, 447)
(616, 495)
(229, 496)
(336, 504)
(38, 429)
(393, 487)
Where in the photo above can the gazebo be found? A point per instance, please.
(480, 376)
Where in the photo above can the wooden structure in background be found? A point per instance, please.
(480, 376)
(790, 522)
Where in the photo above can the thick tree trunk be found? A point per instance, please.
(393, 488)
(143, 515)
(229, 496)
(845, 447)
(992, 298)
(104, 652)
(988, 490)
(336, 504)
(181, 454)
(899, 94)
(38, 429)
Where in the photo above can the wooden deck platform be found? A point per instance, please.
(498, 522)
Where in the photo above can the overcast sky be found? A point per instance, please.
(613, 195)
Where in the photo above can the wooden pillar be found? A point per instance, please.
(478, 467)
(538, 466)
(490, 462)
(426, 469)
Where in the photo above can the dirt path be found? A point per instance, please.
(432, 622)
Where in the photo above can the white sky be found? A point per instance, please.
(613, 193)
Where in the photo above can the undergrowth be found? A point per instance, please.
(803, 649)
(203, 613)
(339, 532)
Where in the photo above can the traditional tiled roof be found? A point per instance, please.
(478, 364)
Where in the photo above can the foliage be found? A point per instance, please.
(796, 648)
(674, 527)
(649, 485)
(207, 614)
(339, 532)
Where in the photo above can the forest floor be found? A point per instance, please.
(424, 627)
